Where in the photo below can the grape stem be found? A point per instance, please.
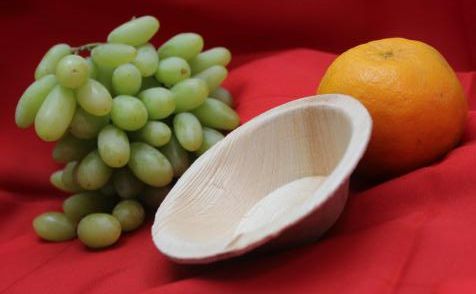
(84, 47)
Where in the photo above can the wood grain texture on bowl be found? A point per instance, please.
(283, 176)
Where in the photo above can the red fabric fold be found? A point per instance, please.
(411, 234)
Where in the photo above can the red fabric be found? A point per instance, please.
(411, 234)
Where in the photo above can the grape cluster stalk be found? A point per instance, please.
(128, 120)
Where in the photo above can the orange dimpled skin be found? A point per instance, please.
(413, 95)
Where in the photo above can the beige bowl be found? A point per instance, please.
(283, 176)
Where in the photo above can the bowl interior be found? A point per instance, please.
(204, 209)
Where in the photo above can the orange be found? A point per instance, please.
(413, 95)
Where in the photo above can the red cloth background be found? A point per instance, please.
(412, 234)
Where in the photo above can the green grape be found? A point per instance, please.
(172, 70)
(152, 197)
(104, 76)
(70, 148)
(215, 56)
(55, 114)
(56, 179)
(154, 133)
(87, 126)
(147, 60)
(126, 183)
(189, 94)
(130, 214)
(92, 172)
(149, 82)
(184, 45)
(213, 76)
(177, 156)
(79, 205)
(72, 71)
(113, 55)
(188, 130)
(135, 32)
(48, 63)
(223, 95)
(126, 79)
(31, 100)
(216, 114)
(210, 138)
(94, 98)
(54, 226)
(159, 102)
(99, 230)
(92, 69)
(69, 177)
(128, 113)
(113, 146)
(149, 165)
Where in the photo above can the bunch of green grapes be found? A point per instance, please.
(128, 119)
